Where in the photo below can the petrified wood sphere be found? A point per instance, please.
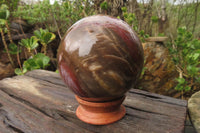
(99, 57)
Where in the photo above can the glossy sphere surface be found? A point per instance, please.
(100, 56)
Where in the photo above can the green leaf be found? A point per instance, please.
(30, 64)
(4, 12)
(187, 88)
(31, 43)
(154, 19)
(104, 5)
(179, 87)
(57, 71)
(196, 56)
(176, 60)
(18, 71)
(192, 70)
(37, 34)
(7, 14)
(48, 37)
(181, 80)
(2, 22)
(24, 70)
(41, 60)
(44, 36)
(124, 9)
(24, 42)
(13, 49)
(4, 7)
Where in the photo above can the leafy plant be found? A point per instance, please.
(19, 71)
(104, 5)
(12, 4)
(55, 17)
(45, 37)
(130, 18)
(143, 36)
(37, 62)
(30, 43)
(182, 85)
(154, 19)
(40, 60)
(185, 51)
(13, 49)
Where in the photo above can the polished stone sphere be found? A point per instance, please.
(100, 57)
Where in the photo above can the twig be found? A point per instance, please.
(9, 35)
(22, 30)
(6, 47)
(18, 60)
(56, 26)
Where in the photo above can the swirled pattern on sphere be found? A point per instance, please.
(100, 56)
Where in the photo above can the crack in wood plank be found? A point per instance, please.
(127, 106)
(15, 129)
(7, 121)
(135, 116)
(146, 95)
(161, 98)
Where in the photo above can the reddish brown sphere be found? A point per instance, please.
(100, 56)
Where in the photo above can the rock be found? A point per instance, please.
(194, 110)
(6, 70)
(160, 73)
(19, 25)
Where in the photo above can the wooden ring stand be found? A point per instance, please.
(100, 113)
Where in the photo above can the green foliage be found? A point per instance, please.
(37, 62)
(104, 5)
(161, 34)
(143, 71)
(185, 51)
(57, 71)
(124, 9)
(182, 85)
(154, 19)
(4, 15)
(12, 4)
(40, 60)
(142, 35)
(4, 12)
(18, 71)
(44, 36)
(13, 49)
(57, 16)
(30, 43)
(131, 19)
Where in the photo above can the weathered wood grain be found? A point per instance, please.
(39, 102)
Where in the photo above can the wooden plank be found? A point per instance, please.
(44, 93)
(17, 116)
